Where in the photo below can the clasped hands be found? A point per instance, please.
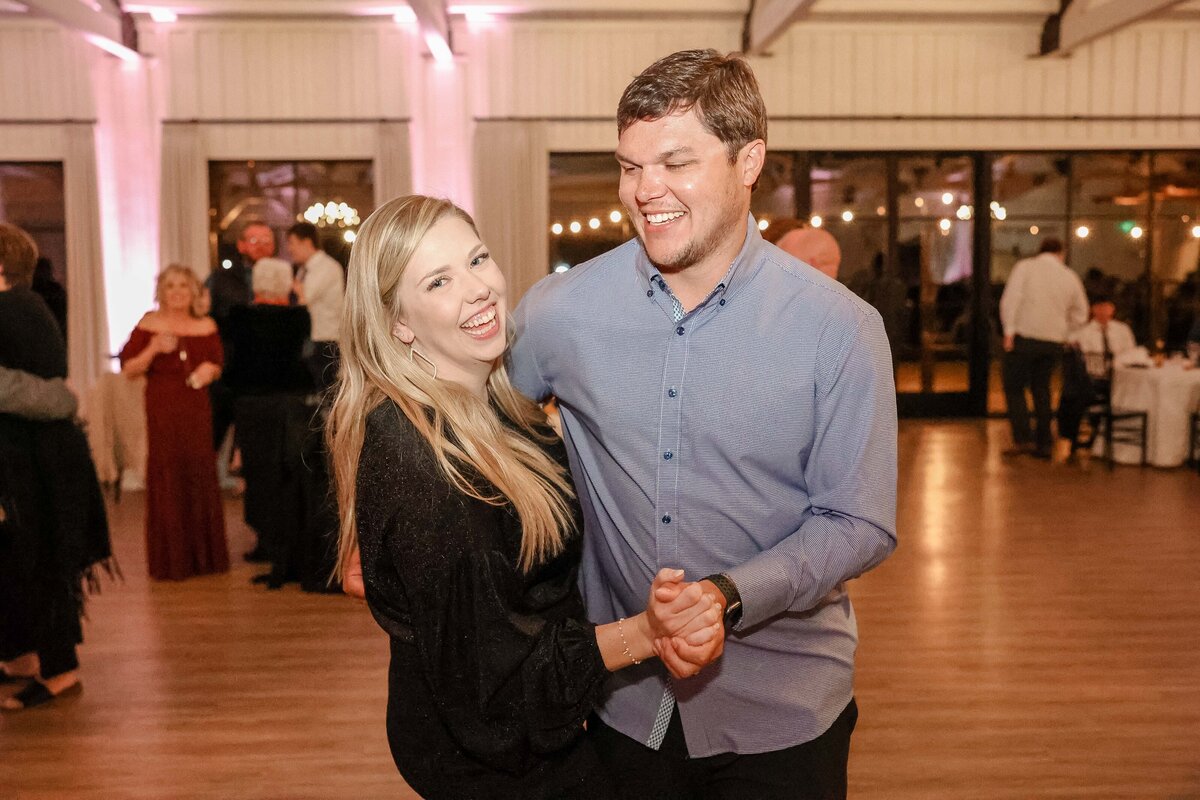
(685, 620)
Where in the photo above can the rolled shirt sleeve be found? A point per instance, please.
(851, 479)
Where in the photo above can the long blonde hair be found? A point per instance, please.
(461, 428)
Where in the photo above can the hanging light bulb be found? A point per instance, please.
(556, 229)
(1136, 232)
(816, 221)
(1082, 231)
(847, 216)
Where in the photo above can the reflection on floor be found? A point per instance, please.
(951, 376)
(1033, 636)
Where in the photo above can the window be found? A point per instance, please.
(31, 197)
(334, 195)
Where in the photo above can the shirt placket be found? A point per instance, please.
(667, 455)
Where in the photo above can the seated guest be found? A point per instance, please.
(1103, 339)
(266, 373)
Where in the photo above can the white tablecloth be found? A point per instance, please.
(1169, 394)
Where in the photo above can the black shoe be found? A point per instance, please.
(256, 556)
(37, 694)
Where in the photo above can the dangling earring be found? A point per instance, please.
(412, 351)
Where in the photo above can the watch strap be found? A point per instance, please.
(733, 598)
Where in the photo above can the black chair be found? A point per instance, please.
(1117, 426)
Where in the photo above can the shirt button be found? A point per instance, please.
(679, 330)
(721, 303)
(649, 293)
(671, 392)
(667, 455)
(666, 519)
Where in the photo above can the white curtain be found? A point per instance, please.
(393, 162)
(512, 175)
(184, 219)
(87, 314)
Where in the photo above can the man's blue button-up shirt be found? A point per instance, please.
(754, 435)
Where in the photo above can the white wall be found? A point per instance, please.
(858, 74)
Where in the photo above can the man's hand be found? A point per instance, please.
(677, 608)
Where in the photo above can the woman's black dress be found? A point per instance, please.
(493, 671)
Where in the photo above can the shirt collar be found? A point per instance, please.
(744, 267)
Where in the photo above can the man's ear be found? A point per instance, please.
(403, 333)
(751, 158)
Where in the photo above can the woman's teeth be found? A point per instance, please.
(480, 320)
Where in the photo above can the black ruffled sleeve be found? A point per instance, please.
(512, 663)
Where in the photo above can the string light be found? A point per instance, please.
(919, 202)
(816, 221)
(327, 214)
(1033, 230)
(847, 216)
(1136, 232)
(947, 198)
(1082, 231)
(944, 224)
(763, 224)
(964, 212)
(1196, 231)
(556, 229)
(562, 267)
(1000, 213)
(593, 223)
(349, 236)
(614, 217)
(881, 211)
(576, 227)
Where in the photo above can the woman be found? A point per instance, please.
(180, 354)
(53, 528)
(456, 494)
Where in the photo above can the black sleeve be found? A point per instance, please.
(508, 681)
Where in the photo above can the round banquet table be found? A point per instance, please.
(1169, 395)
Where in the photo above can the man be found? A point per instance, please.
(229, 287)
(730, 411)
(319, 285)
(1087, 371)
(1104, 339)
(1042, 303)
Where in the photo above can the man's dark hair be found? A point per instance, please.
(306, 230)
(1051, 244)
(721, 89)
(1100, 297)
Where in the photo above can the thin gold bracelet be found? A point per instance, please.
(628, 652)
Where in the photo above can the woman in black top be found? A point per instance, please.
(458, 494)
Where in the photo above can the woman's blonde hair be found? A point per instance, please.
(462, 429)
(160, 286)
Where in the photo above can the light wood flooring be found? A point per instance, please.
(1036, 635)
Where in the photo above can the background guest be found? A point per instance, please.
(53, 527)
(180, 354)
(228, 288)
(51, 291)
(273, 421)
(320, 285)
(815, 247)
(1103, 339)
(1042, 303)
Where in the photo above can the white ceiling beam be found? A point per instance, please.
(79, 16)
(434, 23)
(768, 20)
(1086, 20)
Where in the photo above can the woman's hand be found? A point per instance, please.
(164, 343)
(203, 375)
(677, 608)
(352, 578)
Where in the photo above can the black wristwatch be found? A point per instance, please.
(733, 598)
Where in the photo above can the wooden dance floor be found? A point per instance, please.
(1036, 635)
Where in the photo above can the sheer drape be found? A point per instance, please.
(87, 313)
(512, 174)
(184, 205)
(393, 162)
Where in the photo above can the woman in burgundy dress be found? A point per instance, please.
(180, 354)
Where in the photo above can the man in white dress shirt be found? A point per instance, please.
(1104, 339)
(320, 285)
(1043, 302)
